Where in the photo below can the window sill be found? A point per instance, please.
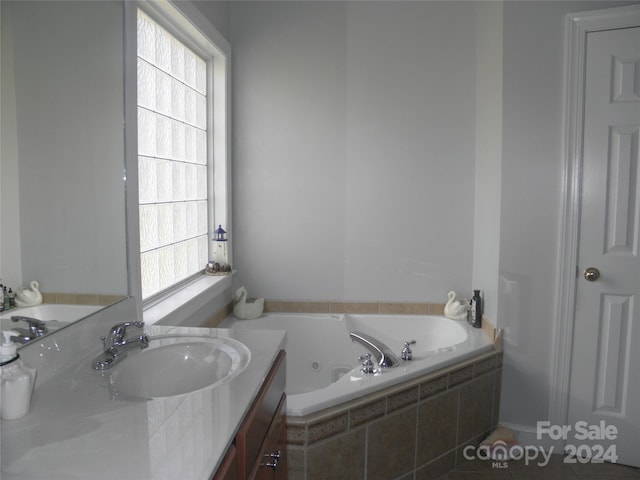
(177, 308)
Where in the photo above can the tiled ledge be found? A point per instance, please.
(375, 308)
(81, 298)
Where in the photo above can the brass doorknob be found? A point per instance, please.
(591, 274)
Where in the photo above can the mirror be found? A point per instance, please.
(62, 158)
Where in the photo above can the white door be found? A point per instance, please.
(605, 368)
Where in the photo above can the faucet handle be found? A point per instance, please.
(367, 365)
(407, 354)
(119, 330)
(36, 327)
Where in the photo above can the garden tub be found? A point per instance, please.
(323, 365)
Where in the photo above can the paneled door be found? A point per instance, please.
(604, 403)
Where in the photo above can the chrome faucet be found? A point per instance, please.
(36, 328)
(116, 345)
(384, 356)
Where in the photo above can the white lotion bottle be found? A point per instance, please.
(18, 380)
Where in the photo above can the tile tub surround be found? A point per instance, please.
(417, 428)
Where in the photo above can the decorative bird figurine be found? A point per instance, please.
(29, 298)
(247, 308)
(456, 309)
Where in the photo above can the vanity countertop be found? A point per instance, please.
(74, 430)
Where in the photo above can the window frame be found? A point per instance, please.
(187, 24)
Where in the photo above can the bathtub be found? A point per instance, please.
(55, 315)
(323, 369)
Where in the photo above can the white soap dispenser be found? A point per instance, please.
(18, 380)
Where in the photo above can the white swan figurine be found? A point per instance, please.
(247, 308)
(29, 298)
(456, 309)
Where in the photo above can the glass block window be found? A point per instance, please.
(172, 158)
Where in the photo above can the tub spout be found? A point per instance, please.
(383, 354)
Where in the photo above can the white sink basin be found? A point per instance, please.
(177, 364)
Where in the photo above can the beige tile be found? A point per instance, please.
(272, 306)
(488, 329)
(49, 297)
(296, 307)
(391, 445)
(109, 299)
(437, 426)
(403, 308)
(371, 308)
(77, 298)
(341, 457)
(436, 309)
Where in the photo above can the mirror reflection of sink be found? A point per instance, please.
(177, 364)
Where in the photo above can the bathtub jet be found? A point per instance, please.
(383, 354)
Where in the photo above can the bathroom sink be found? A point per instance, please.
(178, 364)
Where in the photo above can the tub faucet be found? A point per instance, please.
(384, 355)
(36, 328)
(116, 345)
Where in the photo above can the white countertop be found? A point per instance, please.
(75, 431)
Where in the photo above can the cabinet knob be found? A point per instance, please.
(274, 457)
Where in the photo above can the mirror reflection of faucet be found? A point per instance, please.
(35, 328)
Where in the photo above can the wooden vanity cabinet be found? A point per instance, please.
(259, 450)
(228, 469)
(273, 465)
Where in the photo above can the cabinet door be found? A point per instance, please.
(250, 439)
(273, 463)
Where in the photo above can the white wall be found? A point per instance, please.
(217, 12)
(353, 118)
(354, 149)
(531, 199)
